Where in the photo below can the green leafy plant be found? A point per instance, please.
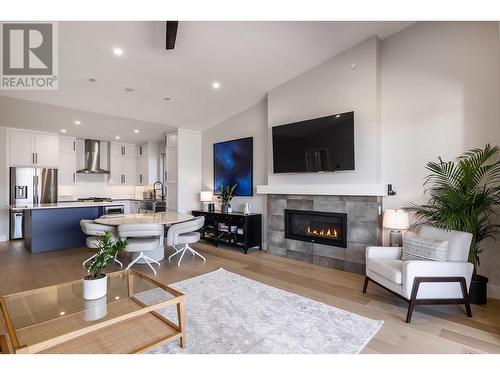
(463, 195)
(226, 194)
(106, 252)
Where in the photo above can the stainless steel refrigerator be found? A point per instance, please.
(29, 186)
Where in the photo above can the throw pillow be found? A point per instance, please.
(415, 248)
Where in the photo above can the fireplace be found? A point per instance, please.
(328, 228)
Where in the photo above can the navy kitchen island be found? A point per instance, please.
(50, 229)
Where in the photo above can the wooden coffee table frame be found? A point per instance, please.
(176, 331)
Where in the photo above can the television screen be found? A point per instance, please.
(324, 144)
(233, 165)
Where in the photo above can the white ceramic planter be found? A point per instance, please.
(94, 289)
(95, 309)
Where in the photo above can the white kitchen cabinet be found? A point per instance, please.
(172, 165)
(67, 168)
(33, 149)
(128, 171)
(21, 148)
(46, 150)
(67, 144)
(172, 197)
(146, 164)
(116, 169)
(67, 161)
(122, 149)
(122, 164)
(171, 139)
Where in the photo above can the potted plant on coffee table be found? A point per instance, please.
(225, 197)
(463, 195)
(95, 283)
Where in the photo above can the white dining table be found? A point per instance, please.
(164, 218)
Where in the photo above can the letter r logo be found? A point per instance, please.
(27, 49)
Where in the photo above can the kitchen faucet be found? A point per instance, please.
(162, 196)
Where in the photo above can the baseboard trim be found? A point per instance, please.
(493, 291)
(4, 238)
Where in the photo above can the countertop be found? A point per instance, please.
(75, 204)
(42, 206)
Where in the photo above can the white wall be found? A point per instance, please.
(330, 88)
(251, 122)
(431, 89)
(440, 95)
(4, 212)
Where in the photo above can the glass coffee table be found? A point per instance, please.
(131, 318)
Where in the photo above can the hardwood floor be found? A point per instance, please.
(434, 329)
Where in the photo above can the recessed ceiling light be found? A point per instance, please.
(216, 85)
(353, 66)
(128, 89)
(62, 313)
(91, 79)
(166, 98)
(63, 130)
(117, 137)
(117, 51)
(136, 131)
(337, 116)
(117, 297)
(77, 122)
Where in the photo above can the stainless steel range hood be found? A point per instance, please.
(92, 158)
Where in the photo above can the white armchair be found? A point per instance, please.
(421, 282)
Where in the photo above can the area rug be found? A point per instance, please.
(228, 313)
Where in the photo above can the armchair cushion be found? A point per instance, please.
(383, 252)
(390, 269)
(459, 242)
(416, 248)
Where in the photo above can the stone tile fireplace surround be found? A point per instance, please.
(364, 228)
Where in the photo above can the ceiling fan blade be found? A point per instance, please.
(171, 34)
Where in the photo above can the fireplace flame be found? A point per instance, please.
(332, 233)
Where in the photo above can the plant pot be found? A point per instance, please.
(95, 309)
(478, 290)
(224, 208)
(95, 288)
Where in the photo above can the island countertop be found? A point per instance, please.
(42, 206)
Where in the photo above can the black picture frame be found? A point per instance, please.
(234, 176)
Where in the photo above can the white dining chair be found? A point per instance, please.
(185, 234)
(142, 238)
(94, 230)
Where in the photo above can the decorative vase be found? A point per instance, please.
(95, 309)
(224, 208)
(478, 290)
(95, 288)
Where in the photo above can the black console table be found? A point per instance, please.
(234, 229)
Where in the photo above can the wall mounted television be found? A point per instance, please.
(324, 144)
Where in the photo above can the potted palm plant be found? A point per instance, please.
(463, 195)
(225, 197)
(95, 283)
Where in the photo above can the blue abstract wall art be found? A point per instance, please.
(233, 164)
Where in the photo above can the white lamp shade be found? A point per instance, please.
(396, 219)
(206, 196)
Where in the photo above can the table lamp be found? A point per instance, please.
(206, 197)
(396, 221)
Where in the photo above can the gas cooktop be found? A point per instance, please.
(94, 199)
